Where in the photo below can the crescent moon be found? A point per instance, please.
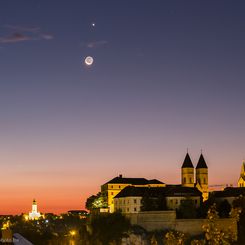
(89, 60)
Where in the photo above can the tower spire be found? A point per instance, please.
(187, 172)
(201, 162)
(187, 162)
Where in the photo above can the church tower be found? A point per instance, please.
(187, 172)
(241, 181)
(34, 214)
(202, 177)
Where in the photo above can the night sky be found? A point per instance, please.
(167, 76)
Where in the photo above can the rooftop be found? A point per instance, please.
(132, 191)
(230, 192)
(187, 162)
(133, 181)
(201, 162)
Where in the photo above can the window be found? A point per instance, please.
(119, 187)
(112, 193)
(176, 201)
(190, 180)
(195, 201)
(204, 180)
(111, 186)
(184, 180)
(135, 209)
(135, 201)
(127, 209)
(123, 201)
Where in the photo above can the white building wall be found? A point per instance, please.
(128, 204)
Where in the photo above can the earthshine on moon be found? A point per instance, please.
(89, 60)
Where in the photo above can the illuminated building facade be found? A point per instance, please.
(117, 184)
(129, 200)
(34, 214)
(188, 175)
(241, 181)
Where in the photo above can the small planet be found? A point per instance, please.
(89, 60)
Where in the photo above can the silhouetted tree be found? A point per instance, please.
(187, 209)
(109, 228)
(96, 201)
(202, 211)
(224, 209)
(153, 202)
(240, 203)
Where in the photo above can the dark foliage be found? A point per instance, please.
(240, 203)
(224, 209)
(108, 228)
(153, 203)
(187, 209)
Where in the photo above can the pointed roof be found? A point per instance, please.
(201, 162)
(243, 168)
(187, 162)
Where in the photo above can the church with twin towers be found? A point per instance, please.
(195, 177)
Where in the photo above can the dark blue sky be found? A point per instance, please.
(167, 75)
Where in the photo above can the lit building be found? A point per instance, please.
(241, 181)
(129, 200)
(188, 175)
(202, 177)
(187, 172)
(34, 214)
(117, 184)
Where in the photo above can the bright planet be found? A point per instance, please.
(89, 60)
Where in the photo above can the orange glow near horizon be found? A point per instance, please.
(58, 190)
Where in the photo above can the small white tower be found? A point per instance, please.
(34, 214)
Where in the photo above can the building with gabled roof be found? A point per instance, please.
(129, 200)
(111, 188)
(114, 186)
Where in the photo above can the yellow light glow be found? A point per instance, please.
(5, 225)
(73, 233)
(26, 217)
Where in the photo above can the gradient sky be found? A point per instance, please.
(167, 75)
